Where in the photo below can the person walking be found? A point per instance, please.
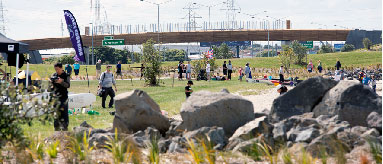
(118, 71)
(310, 67)
(229, 70)
(281, 78)
(98, 69)
(208, 70)
(76, 67)
(224, 68)
(338, 65)
(320, 68)
(105, 83)
(188, 71)
(247, 70)
(60, 82)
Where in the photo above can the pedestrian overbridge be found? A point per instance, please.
(198, 36)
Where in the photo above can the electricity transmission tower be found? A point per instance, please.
(231, 11)
(2, 19)
(192, 17)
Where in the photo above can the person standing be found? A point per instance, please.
(240, 74)
(68, 69)
(281, 78)
(310, 67)
(188, 89)
(118, 71)
(208, 70)
(320, 66)
(338, 65)
(106, 81)
(142, 71)
(188, 71)
(224, 68)
(180, 67)
(60, 82)
(230, 70)
(76, 67)
(366, 80)
(98, 69)
(247, 70)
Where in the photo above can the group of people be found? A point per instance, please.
(76, 69)
(184, 68)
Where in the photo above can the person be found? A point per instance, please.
(208, 70)
(229, 70)
(68, 69)
(338, 65)
(188, 71)
(76, 68)
(373, 83)
(106, 81)
(218, 77)
(281, 89)
(224, 68)
(142, 70)
(310, 66)
(320, 68)
(118, 71)
(240, 73)
(366, 80)
(60, 82)
(247, 70)
(98, 69)
(360, 77)
(281, 78)
(180, 70)
(188, 89)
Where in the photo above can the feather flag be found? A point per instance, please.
(210, 54)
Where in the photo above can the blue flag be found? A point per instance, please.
(75, 37)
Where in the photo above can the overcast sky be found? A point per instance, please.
(29, 19)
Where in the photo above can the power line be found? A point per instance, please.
(2, 20)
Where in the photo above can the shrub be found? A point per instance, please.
(347, 48)
(326, 48)
(122, 150)
(367, 43)
(152, 63)
(300, 51)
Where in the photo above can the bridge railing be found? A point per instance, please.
(186, 27)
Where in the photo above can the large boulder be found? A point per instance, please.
(351, 101)
(136, 111)
(208, 109)
(301, 99)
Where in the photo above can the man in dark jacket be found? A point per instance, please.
(60, 82)
(338, 65)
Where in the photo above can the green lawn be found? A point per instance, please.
(169, 98)
(348, 59)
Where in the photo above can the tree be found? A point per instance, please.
(300, 51)
(201, 64)
(152, 63)
(112, 55)
(367, 43)
(347, 48)
(224, 51)
(326, 48)
(174, 54)
(286, 57)
(66, 59)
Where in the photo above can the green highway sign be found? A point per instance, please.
(108, 37)
(113, 42)
(308, 44)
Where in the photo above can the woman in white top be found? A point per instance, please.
(230, 70)
(188, 71)
(208, 70)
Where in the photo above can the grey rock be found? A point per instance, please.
(328, 142)
(224, 90)
(152, 134)
(371, 132)
(301, 99)
(174, 129)
(307, 135)
(264, 112)
(374, 120)
(85, 124)
(136, 111)
(233, 143)
(253, 129)
(334, 128)
(350, 139)
(177, 145)
(358, 129)
(245, 146)
(279, 132)
(351, 101)
(293, 133)
(163, 145)
(216, 135)
(208, 109)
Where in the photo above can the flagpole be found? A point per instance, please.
(86, 70)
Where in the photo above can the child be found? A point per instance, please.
(188, 89)
(240, 74)
(373, 83)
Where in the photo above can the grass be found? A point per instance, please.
(121, 149)
(53, 149)
(355, 59)
(168, 98)
(80, 146)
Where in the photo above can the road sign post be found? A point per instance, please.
(114, 42)
(108, 37)
(308, 44)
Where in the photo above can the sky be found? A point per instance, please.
(33, 19)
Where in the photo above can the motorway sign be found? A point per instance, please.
(113, 42)
(308, 44)
(108, 37)
(229, 43)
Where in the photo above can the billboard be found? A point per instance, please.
(229, 43)
(338, 46)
